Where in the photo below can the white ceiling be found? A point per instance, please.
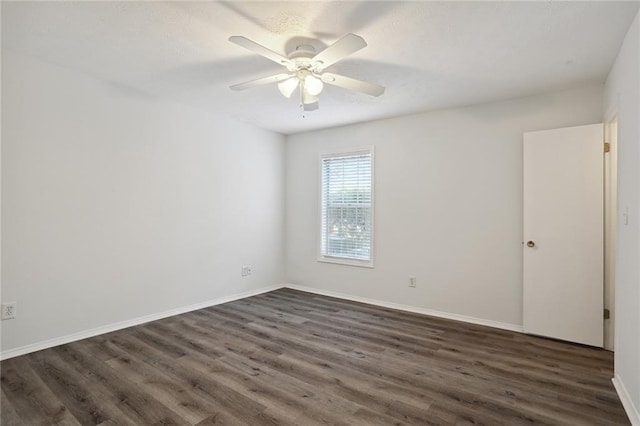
(429, 55)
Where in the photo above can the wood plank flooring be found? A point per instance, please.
(294, 358)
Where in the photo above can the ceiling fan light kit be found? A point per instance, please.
(288, 86)
(306, 70)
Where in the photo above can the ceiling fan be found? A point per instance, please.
(306, 70)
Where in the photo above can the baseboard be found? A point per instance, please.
(407, 308)
(627, 402)
(129, 323)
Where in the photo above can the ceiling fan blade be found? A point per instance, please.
(260, 50)
(340, 49)
(259, 82)
(352, 84)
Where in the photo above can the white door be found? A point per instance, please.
(563, 234)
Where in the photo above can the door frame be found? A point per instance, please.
(610, 225)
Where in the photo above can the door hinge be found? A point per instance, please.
(607, 147)
(607, 314)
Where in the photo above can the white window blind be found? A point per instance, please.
(347, 207)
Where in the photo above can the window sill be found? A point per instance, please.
(347, 262)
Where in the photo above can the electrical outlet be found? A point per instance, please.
(9, 310)
(246, 270)
(412, 281)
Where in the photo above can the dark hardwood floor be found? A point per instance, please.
(293, 358)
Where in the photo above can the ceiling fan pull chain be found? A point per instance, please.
(301, 97)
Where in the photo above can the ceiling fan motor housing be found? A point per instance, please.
(302, 56)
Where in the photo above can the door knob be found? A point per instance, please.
(530, 244)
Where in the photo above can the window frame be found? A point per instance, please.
(345, 260)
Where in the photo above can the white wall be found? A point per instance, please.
(622, 96)
(117, 206)
(448, 204)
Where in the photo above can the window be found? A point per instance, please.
(346, 228)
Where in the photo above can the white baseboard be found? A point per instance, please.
(129, 323)
(407, 308)
(632, 411)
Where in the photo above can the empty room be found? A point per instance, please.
(320, 213)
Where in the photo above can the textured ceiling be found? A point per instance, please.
(429, 55)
